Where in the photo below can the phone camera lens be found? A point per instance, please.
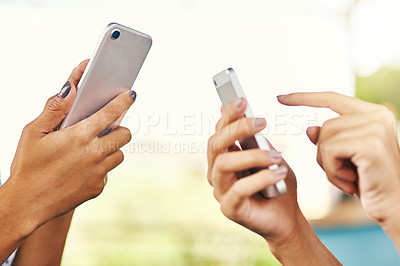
(115, 34)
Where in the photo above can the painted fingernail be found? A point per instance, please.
(238, 105)
(259, 123)
(133, 95)
(282, 97)
(65, 90)
(275, 154)
(281, 170)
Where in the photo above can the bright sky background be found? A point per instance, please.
(275, 47)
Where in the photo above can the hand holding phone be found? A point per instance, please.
(111, 71)
(228, 88)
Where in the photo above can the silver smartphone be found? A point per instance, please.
(229, 89)
(113, 69)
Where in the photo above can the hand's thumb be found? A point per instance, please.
(313, 134)
(57, 107)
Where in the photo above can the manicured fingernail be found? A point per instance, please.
(133, 95)
(65, 90)
(281, 97)
(281, 170)
(275, 154)
(104, 132)
(238, 105)
(259, 123)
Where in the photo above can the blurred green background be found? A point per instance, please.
(164, 216)
(383, 87)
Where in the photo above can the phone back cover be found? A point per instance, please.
(111, 71)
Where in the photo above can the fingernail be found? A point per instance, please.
(311, 130)
(281, 170)
(259, 123)
(275, 154)
(238, 105)
(282, 97)
(133, 95)
(65, 90)
(104, 132)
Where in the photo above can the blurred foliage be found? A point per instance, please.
(383, 87)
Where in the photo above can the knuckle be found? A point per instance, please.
(210, 144)
(81, 136)
(329, 150)
(351, 190)
(76, 69)
(229, 210)
(321, 155)
(113, 111)
(216, 195)
(330, 178)
(98, 189)
(126, 134)
(326, 148)
(383, 110)
(109, 147)
(213, 145)
(210, 177)
(319, 161)
(225, 209)
(385, 114)
(100, 172)
(390, 117)
(258, 156)
(28, 128)
(322, 148)
(327, 126)
(220, 163)
(219, 124)
(96, 154)
(236, 190)
(247, 125)
(378, 129)
(49, 101)
(319, 158)
(376, 142)
(102, 153)
(120, 156)
(55, 105)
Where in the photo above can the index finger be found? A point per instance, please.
(103, 118)
(338, 103)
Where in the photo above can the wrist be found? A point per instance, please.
(22, 211)
(303, 247)
(391, 224)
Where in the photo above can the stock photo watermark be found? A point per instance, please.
(188, 133)
(201, 124)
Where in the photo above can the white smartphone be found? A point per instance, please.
(113, 69)
(229, 89)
